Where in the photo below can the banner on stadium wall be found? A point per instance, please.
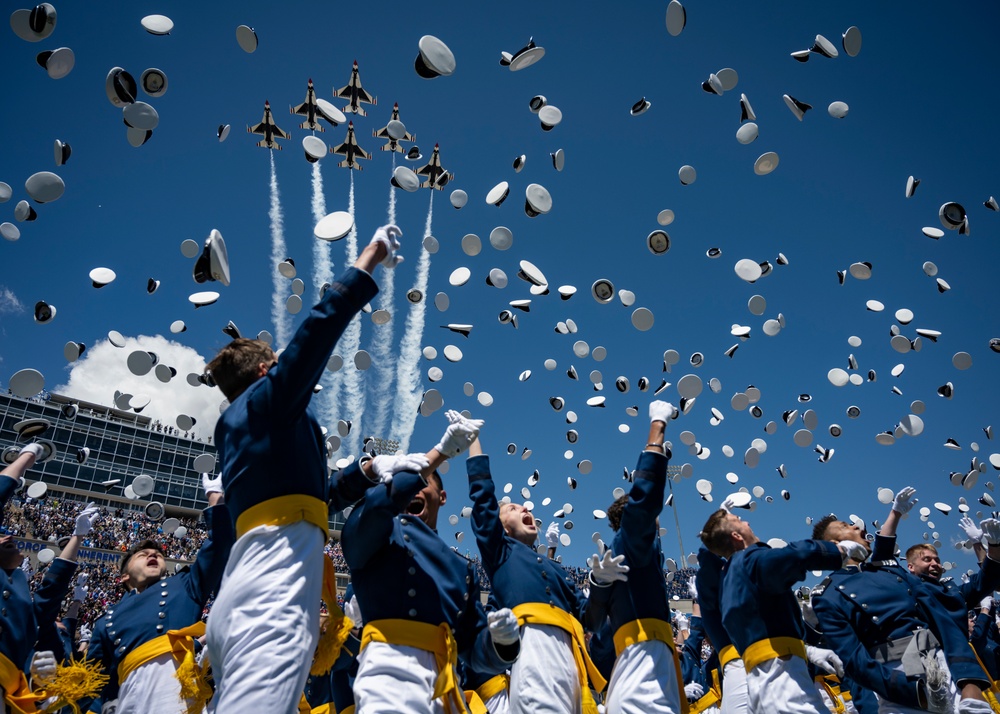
(30, 548)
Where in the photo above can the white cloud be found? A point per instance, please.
(9, 302)
(102, 370)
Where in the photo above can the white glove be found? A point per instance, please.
(904, 500)
(660, 410)
(693, 588)
(503, 627)
(826, 660)
(212, 485)
(79, 593)
(693, 691)
(33, 448)
(971, 529)
(728, 504)
(386, 466)
(855, 551)
(461, 432)
(986, 603)
(991, 531)
(606, 570)
(82, 578)
(109, 707)
(683, 622)
(352, 610)
(86, 519)
(43, 666)
(552, 535)
(389, 237)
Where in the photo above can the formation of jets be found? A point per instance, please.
(393, 132)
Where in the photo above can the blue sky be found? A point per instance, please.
(920, 103)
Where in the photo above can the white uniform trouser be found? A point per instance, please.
(264, 623)
(543, 679)
(499, 703)
(644, 681)
(395, 678)
(783, 685)
(735, 697)
(153, 687)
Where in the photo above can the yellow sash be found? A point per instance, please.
(348, 710)
(831, 685)
(286, 510)
(16, 691)
(726, 655)
(475, 703)
(767, 649)
(431, 638)
(324, 709)
(493, 687)
(644, 630)
(540, 613)
(180, 644)
(712, 697)
(177, 642)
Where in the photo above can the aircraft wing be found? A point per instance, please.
(257, 128)
(365, 97)
(428, 170)
(341, 149)
(408, 137)
(279, 133)
(358, 151)
(301, 109)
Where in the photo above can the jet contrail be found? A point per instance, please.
(380, 386)
(279, 315)
(354, 391)
(322, 272)
(409, 388)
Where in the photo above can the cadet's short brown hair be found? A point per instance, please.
(914, 551)
(716, 532)
(235, 367)
(615, 511)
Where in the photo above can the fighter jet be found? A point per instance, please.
(269, 130)
(355, 93)
(308, 109)
(350, 150)
(437, 177)
(383, 133)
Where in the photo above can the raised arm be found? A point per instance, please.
(210, 563)
(485, 510)
(885, 540)
(780, 568)
(645, 501)
(305, 357)
(371, 521)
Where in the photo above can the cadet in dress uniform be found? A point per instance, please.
(708, 583)
(419, 599)
(923, 561)
(146, 641)
(273, 463)
(885, 624)
(21, 614)
(551, 674)
(762, 616)
(646, 677)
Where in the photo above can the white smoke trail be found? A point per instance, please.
(354, 391)
(409, 388)
(279, 315)
(322, 272)
(380, 387)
